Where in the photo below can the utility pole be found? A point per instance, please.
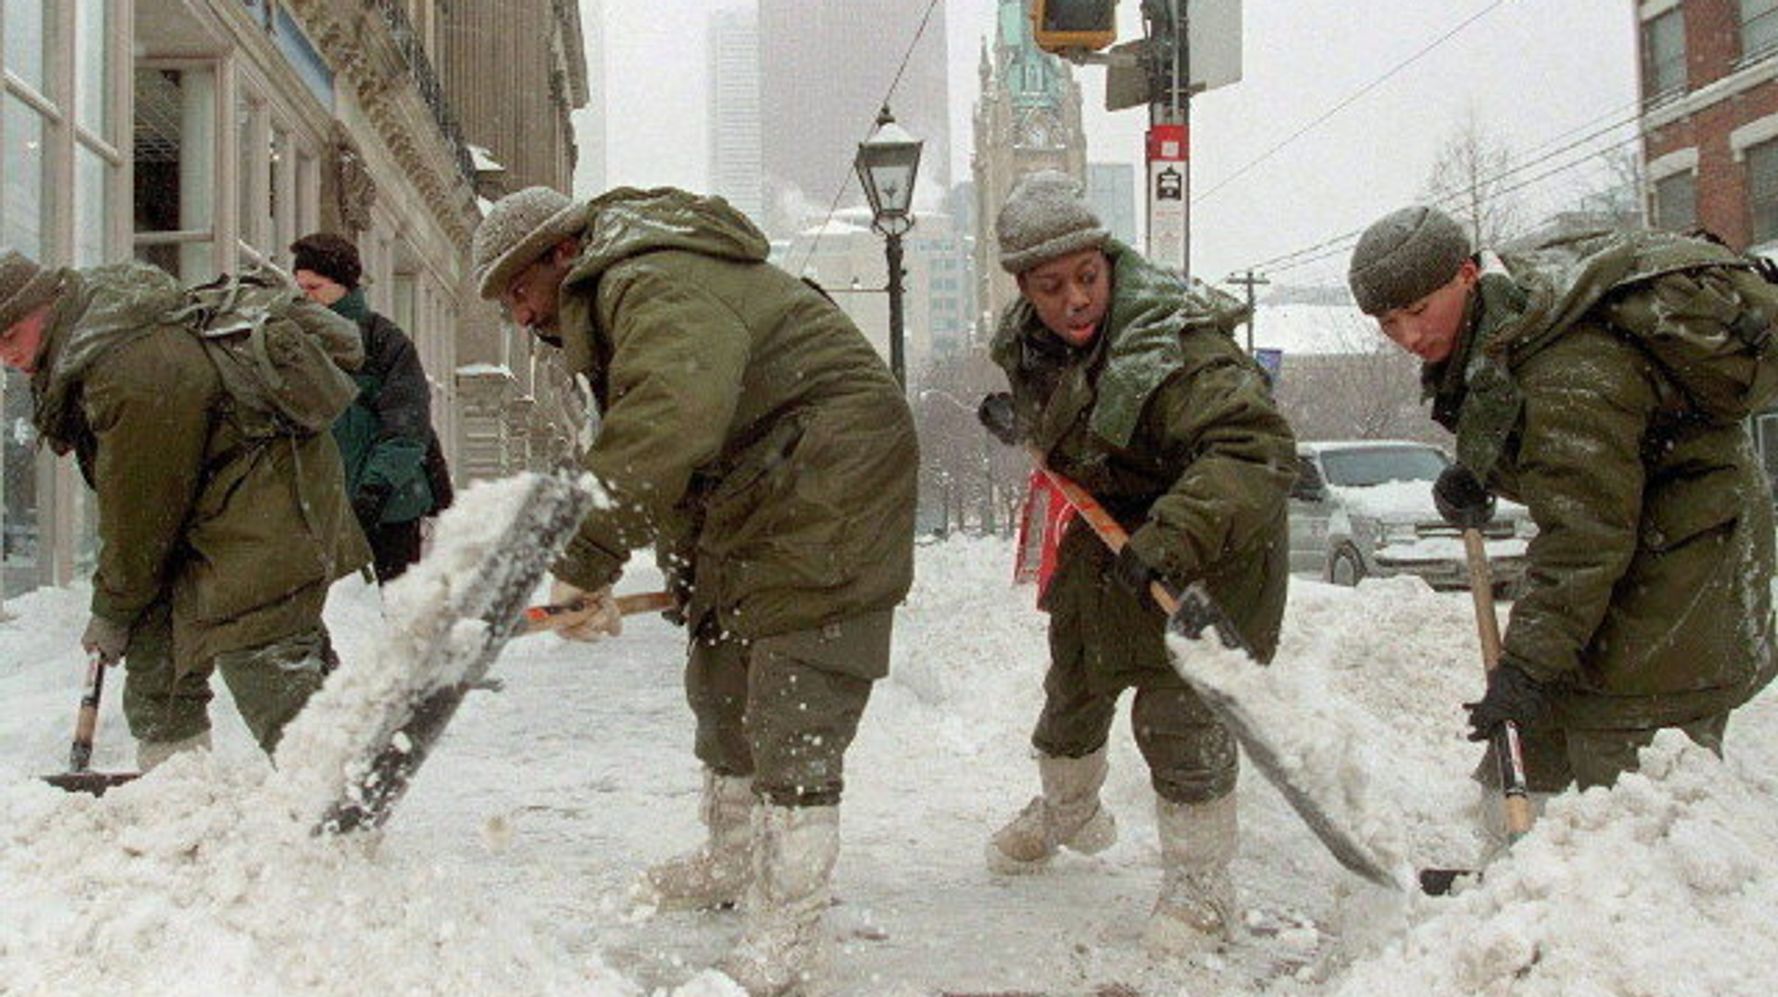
(1250, 282)
(1169, 138)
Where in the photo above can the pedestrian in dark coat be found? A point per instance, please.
(386, 435)
(216, 545)
(1648, 602)
(1131, 385)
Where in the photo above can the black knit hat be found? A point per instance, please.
(1404, 256)
(330, 255)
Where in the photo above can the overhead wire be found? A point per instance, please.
(834, 205)
(1336, 244)
(1347, 101)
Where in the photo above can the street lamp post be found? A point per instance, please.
(887, 162)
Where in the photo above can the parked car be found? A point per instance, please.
(1363, 509)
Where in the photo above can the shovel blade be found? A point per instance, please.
(95, 783)
(1197, 613)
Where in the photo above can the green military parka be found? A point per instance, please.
(1647, 602)
(1172, 428)
(748, 428)
(243, 537)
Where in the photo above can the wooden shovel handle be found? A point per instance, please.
(547, 616)
(1507, 749)
(1109, 530)
(86, 721)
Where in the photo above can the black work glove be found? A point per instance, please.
(1131, 572)
(1462, 499)
(1512, 695)
(368, 505)
(998, 417)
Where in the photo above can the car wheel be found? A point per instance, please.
(1345, 568)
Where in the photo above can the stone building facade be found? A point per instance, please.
(203, 135)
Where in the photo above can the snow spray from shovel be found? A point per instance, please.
(1189, 613)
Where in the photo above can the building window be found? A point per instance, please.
(175, 159)
(61, 181)
(1663, 54)
(1676, 202)
(1759, 27)
(1762, 191)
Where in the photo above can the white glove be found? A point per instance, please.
(595, 617)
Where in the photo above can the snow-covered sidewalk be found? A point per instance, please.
(505, 868)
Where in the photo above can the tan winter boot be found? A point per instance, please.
(1067, 815)
(150, 754)
(785, 947)
(1196, 909)
(715, 874)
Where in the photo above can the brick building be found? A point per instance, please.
(1709, 73)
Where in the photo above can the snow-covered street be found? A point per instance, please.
(505, 869)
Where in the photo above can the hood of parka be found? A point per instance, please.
(1139, 338)
(626, 222)
(99, 310)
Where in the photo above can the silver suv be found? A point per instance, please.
(1364, 509)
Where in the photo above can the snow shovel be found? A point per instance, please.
(549, 616)
(78, 778)
(1189, 613)
(1516, 799)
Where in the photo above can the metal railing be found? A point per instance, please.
(413, 52)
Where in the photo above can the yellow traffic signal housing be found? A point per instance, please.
(1073, 24)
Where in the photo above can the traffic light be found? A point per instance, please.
(1073, 24)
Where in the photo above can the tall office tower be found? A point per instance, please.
(737, 170)
(825, 66)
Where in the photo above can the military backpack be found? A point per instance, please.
(283, 359)
(1703, 313)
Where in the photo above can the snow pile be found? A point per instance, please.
(1663, 885)
(1391, 501)
(180, 883)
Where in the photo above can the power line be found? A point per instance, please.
(1348, 101)
(1289, 261)
(840, 192)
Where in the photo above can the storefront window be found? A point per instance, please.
(22, 219)
(92, 206)
(26, 39)
(175, 160)
(92, 57)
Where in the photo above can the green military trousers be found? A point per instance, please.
(784, 709)
(165, 701)
(1556, 757)
(1191, 756)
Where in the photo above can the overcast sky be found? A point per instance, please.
(1539, 73)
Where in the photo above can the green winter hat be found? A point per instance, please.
(1404, 256)
(24, 286)
(1044, 218)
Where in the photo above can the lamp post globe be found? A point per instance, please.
(887, 164)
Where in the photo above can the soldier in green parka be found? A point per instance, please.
(216, 548)
(1131, 385)
(752, 434)
(1647, 603)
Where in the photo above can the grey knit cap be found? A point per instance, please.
(1043, 218)
(519, 229)
(24, 286)
(1404, 256)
